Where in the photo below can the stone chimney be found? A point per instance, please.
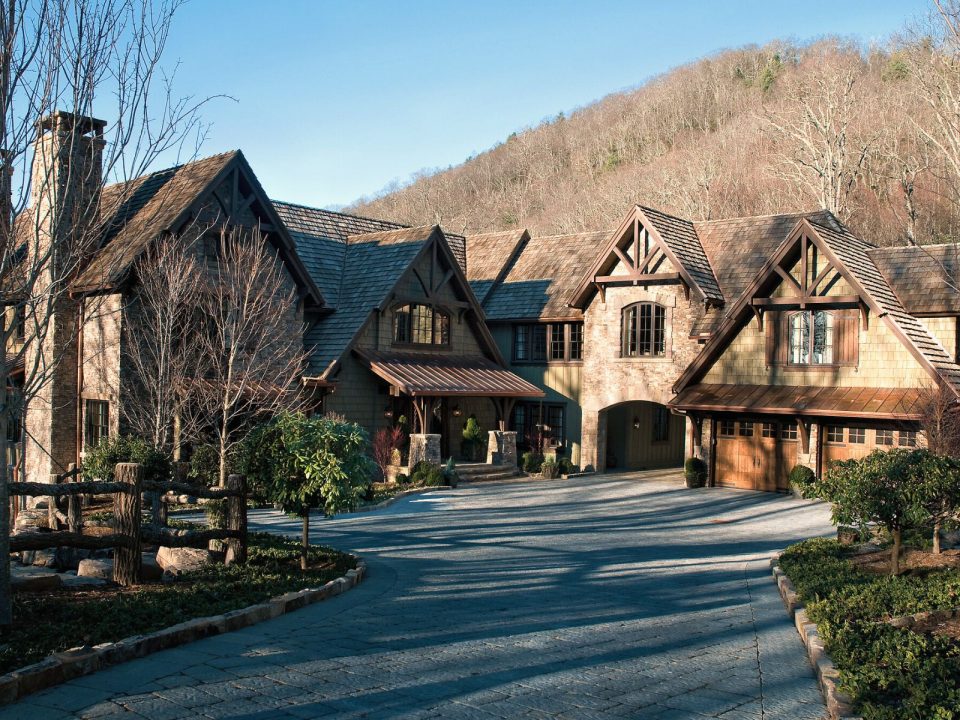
(66, 178)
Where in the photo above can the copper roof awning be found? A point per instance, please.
(447, 375)
(865, 403)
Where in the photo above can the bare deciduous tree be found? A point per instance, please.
(252, 340)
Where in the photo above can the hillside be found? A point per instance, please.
(746, 132)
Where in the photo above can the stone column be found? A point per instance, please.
(705, 448)
(809, 458)
(502, 448)
(593, 440)
(424, 447)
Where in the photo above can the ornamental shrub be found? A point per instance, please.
(802, 480)
(531, 462)
(695, 472)
(427, 474)
(101, 461)
(474, 437)
(550, 469)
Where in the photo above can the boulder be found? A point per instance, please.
(81, 583)
(67, 558)
(33, 579)
(40, 558)
(180, 560)
(102, 569)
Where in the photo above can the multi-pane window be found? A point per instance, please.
(644, 330)
(746, 429)
(727, 428)
(553, 431)
(97, 422)
(576, 341)
(884, 437)
(908, 438)
(788, 431)
(420, 325)
(539, 425)
(834, 434)
(857, 435)
(769, 430)
(661, 424)
(19, 322)
(811, 338)
(552, 342)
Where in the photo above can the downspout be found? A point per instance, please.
(79, 432)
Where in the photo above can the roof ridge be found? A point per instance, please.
(172, 168)
(400, 226)
(560, 235)
(353, 236)
(797, 214)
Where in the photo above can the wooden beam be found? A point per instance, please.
(865, 316)
(648, 258)
(444, 280)
(804, 429)
(788, 277)
(818, 300)
(758, 314)
(820, 278)
(803, 265)
(627, 262)
(638, 278)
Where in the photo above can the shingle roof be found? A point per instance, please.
(136, 213)
(375, 262)
(925, 278)
(682, 240)
(488, 256)
(854, 253)
(543, 276)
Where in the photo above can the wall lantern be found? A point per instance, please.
(636, 423)
(388, 412)
(457, 412)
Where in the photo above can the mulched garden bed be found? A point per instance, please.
(52, 621)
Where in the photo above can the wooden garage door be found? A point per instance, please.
(755, 455)
(849, 442)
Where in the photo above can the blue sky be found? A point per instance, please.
(334, 100)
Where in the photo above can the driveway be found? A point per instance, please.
(605, 597)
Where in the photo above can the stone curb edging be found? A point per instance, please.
(76, 662)
(908, 621)
(839, 704)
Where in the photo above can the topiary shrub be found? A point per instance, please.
(567, 467)
(427, 474)
(550, 469)
(531, 462)
(802, 479)
(474, 438)
(450, 475)
(695, 472)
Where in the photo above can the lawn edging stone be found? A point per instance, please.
(839, 705)
(66, 665)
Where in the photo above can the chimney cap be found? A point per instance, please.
(62, 120)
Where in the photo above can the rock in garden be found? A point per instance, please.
(33, 579)
(179, 560)
(41, 558)
(102, 569)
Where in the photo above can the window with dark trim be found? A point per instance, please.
(420, 325)
(746, 429)
(96, 422)
(727, 428)
(19, 322)
(884, 437)
(769, 430)
(788, 431)
(644, 331)
(908, 438)
(834, 434)
(810, 337)
(661, 424)
(857, 435)
(548, 342)
(539, 422)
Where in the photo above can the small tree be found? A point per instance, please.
(474, 436)
(882, 488)
(386, 445)
(301, 462)
(939, 478)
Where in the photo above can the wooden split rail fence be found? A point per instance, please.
(129, 531)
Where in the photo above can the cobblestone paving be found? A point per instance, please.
(606, 597)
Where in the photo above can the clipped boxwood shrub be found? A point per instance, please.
(802, 479)
(100, 462)
(550, 469)
(695, 472)
(425, 473)
(531, 462)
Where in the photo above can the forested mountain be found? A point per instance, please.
(871, 134)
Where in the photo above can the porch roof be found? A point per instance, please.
(867, 403)
(439, 375)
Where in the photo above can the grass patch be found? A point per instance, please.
(44, 623)
(889, 672)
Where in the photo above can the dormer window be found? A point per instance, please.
(811, 337)
(644, 330)
(420, 325)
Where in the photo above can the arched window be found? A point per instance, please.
(644, 330)
(420, 325)
(810, 337)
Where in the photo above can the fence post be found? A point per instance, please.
(126, 510)
(52, 521)
(237, 520)
(74, 515)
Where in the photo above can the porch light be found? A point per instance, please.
(457, 412)
(388, 412)
(636, 423)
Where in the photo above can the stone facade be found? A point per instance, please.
(502, 448)
(424, 447)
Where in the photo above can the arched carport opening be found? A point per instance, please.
(641, 435)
